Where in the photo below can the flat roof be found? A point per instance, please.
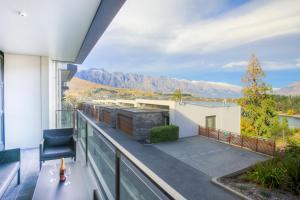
(109, 106)
(211, 104)
(142, 110)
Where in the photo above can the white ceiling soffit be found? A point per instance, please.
(55, 28)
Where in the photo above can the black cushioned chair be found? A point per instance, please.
(9, 167)
(56, 144)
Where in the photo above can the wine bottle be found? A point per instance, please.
(62, 170)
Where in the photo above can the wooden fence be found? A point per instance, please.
(261, 145)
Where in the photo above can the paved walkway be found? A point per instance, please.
(190, 182)
(210, 156)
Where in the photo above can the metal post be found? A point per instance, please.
(86, 142)
(218, 134)
(77, 124)
(117, 174)
(229, 138)
(74, 122)
(56, 119)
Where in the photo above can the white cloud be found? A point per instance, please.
(250, 24)
(298, 62)
(266, 65)
(236, 64)
(174, 27)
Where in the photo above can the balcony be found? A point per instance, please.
(119, 167)
(112, 169)
(34, 72)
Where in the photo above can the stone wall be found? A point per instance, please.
(113, 114)
(143, 122)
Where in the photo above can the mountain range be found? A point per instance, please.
(168, 85)
(290, 90)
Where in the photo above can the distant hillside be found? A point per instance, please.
(77, 84)
(160, 84)
(292, 89)
(82, 90)
(86, 90)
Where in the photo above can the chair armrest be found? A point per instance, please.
(11, 155)
(41, 146)
(74, 144)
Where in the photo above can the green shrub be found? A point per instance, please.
(280, 172)
(293, 142)
(164, 133)
(270, 174)
(292, 164)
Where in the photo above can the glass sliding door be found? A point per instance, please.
(1, 100)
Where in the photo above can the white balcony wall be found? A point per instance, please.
(29, 94)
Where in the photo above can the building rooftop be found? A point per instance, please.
(110, 106)
(211, 104)
(139, 110)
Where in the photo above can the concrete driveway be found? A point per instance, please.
(209, 156)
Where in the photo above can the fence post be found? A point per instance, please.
(274, 147)
(242, 143)
(207, 132)
(256, 144)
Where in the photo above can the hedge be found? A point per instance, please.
(164, 133)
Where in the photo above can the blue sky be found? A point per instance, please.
(202, 40)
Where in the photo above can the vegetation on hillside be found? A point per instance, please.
(82, 90)
(287, 104)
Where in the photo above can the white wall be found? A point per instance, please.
(188, 117)
(48, 92)
(52, 93)
(27, 99)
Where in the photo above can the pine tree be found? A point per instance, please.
(258, 107)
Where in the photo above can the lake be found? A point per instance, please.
(294, 122)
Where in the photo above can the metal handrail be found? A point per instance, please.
(66, 110)
(153, 177)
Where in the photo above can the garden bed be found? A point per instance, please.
(255, 191)
(274, 179)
